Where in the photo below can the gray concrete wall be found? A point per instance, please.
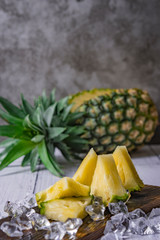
(74, 45)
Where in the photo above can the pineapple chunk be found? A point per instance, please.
(106, 182)
(126, 169)
(65, 187)
(62, 209)
(85, 172)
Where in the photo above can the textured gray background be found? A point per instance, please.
(74, 45)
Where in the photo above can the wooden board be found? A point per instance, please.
(147, 199)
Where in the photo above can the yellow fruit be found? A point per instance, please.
(85, 172)
(126, 169)
(115, 117)
(65, 187)
(106, 182)
(62, 209)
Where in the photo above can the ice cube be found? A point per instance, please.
(96, 212)
(14, 209)
(71, 226)
(23, 222)
(110, 227)
(149, 230)
(56, 232)
(120, 218)
(155, 212)
(110, 236)
(97, 201)
(137, 213)
(118, 224)
(11, 229)
(117, 207)
(40, 222)
(155, 223)
(30, 213)
(138, 225)
(29, 201)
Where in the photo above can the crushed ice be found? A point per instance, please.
(24, 217)
(124, 224)
(96, 209)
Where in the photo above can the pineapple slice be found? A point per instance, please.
(65, 187)
(106, 182)
(62, 209)
(126, 169)
(85, 172)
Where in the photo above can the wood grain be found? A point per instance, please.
(147, 199)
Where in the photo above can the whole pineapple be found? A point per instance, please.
(116, 117)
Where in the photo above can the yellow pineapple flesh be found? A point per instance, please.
(126, 169)
(106, 182)
(84, 173)
(62, 209)
(65, 187)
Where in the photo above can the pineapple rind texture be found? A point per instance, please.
(126, 169)
(65, 187)
(106, 182)
(124, 115)
(62, 209)
(84, 173)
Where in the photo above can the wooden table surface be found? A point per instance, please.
(16, 182)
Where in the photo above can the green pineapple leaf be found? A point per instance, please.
(48, 114)
(37, 138)
(11, 131)
(26, 160)
(54, 132)
(9, 118)
(34, 156)
(52, 98)
(36, 131)
(19, 149)
(26, 106)
(64, 150)
(46, 159)
(61, 104)
(61, 137)
(7, 148)
(66, 112)
(11, 108)
(7, 142)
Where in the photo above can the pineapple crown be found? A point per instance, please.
(35, 131)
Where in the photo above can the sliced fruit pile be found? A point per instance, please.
(110, 176)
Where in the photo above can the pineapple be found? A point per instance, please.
(100, 118)
(62, 209)
(115, 117)
(65, 187)
(85, 172)
(106, 182)
(126, 169)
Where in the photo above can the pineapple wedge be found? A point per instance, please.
(65, 187)
(106, 182)
(84, 173)
(62, 209)
(126, 169)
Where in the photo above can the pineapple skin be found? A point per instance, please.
(116, 117)
(62, 209)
